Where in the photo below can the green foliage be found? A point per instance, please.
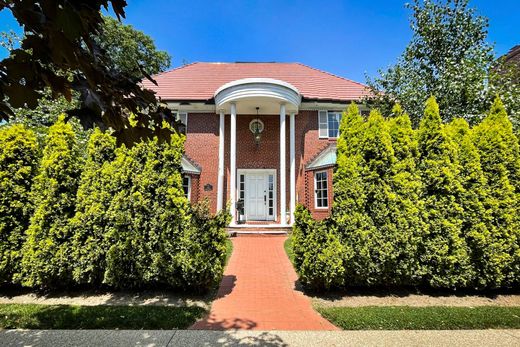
(204, 247)
(448, 57)
(319, 252)
(88, 226)
(19, 154)
(45, 253)
(445, 252)
(131, 50)
(61, 54)
(37, 316)
(422, 318)
(435, 206)
(500, 160)
(152, 235)
(408, 206)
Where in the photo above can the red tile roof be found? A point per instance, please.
(199, 81)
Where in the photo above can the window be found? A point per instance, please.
(242, 187)
(329, 124)
(183, 117)
(186, 186)
(321, 190)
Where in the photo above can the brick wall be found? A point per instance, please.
(202, 147)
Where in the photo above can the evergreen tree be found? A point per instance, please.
(94, 195)
(380, 254)
(46, 250)
(150, 219)
(473, 202)
(350, 198)
(409, 207)
(18, 163)
(444, 250)
(500, 159)
(318, 252)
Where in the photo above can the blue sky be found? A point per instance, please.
(348, 38)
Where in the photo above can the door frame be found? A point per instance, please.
(275, 190)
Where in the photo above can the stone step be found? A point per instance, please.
(258, 231)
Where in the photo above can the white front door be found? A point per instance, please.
(257, 188)
(256, 196)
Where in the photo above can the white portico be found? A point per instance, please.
(263, 96)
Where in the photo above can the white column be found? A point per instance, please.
(292, 161)
(283, 201)
(233, 163)
(220, 185)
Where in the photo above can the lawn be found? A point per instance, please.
(288, 248)
(36, 316)
(229, 249)
(422, 318)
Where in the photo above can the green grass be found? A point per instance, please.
(422, 318)
(229, 249)
(288, 248)
(32, 316)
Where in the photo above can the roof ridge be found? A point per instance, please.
(331, 74)
(175, 68)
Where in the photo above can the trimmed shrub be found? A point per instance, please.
(153, 235)
(203, 254)
(19, 154)
(500, 160)
(88, 226)
(435, 206)
(148, 216)
(45, 260)
(318, 252)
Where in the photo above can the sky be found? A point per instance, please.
(348, 38)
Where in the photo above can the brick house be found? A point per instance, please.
(260, 134)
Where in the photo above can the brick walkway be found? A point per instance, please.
(258, 291)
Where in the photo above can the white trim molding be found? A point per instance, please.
(258, 88)
(283, 201)
(220, 182)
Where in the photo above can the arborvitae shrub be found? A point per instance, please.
(46, 252)
(18, 163)
(500, 160)
(318, 252)
(350, 197)
(445, 252)
(203, 254)
(88, 226)
(153, 236)
(475, 219)
(408, 209)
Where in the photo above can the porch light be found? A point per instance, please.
(256, 126)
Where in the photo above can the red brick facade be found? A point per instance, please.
(202, 147)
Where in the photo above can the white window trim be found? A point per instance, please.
(327, 123)
(178, 115)
(316, 193)
(189, 186)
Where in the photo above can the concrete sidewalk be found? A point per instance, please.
(57, 338)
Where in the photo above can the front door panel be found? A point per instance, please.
(256, 196)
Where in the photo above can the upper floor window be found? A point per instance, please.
(183, 117)
(329, 124)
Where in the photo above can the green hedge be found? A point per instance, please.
(107, 215)
(434, 206)
(19, 155)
